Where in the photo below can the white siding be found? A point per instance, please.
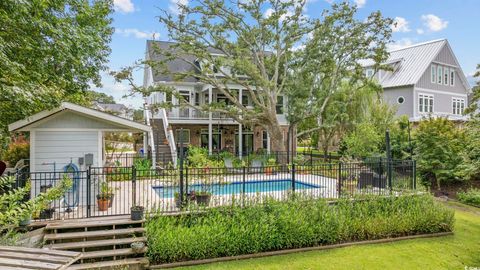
(62, 147)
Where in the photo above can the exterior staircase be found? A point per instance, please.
(163, 152)
(104, 242)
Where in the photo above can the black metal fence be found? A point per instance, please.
(107, 191)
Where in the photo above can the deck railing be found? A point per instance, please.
(107, 191)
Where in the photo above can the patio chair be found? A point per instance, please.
(229, 165)
(257, 166)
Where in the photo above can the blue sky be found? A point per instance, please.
(135, 21)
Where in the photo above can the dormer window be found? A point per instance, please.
(452, 77)
(439, 74)
(434, 73)
(445, 76)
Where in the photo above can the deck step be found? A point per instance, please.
(89, 224)
(109, 264)
(111, 253)
(97, 243)
(90, 234)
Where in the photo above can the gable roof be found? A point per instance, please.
(412, 62)
(154, 47)
(66, 106)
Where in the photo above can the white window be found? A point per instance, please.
(445, 75)
(452, 77)
(434, 73)
(439, 74)
(458, 106)
(184, 135)
(279, 106)
(425, 103)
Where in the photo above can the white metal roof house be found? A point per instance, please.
(210, 130)
(426, 79)
(115, 109)
(68, 134)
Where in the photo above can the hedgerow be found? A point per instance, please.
(273, 225)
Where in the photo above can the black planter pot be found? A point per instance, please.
(203, 199)
(46, 214)
(136, 213)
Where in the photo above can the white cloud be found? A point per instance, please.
(420, 31)
(360, 3)
(434, 23)
(125, 6)
(270, 11)
(118, 90)
(400, 24)
(128, 32)
(174, 5)
(402, 43)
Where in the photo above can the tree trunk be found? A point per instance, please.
(277, 142)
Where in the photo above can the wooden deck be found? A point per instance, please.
(21, 258)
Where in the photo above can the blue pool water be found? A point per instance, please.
(237, 187)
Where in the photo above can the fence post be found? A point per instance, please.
(134, 186)
(293, 178)
(89, 192)
(414, 169)
(339, 179)
(243, 185)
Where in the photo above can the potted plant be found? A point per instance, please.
(137, 246)
(107, 192)
(46, 213)
(269, 168)
(136, 212)
(103, 201)
(178, 202)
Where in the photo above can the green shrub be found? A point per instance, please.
(16, 152)
(230, 231)
(438, 151)
(471, 197)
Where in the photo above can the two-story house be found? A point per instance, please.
(425, 79)
(214, 131)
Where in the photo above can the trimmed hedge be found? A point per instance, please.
(230, 231)
(471, 197)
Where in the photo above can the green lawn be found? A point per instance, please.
(449, 252)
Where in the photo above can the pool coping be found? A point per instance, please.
(297, 250)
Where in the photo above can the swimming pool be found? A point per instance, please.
(237, 187)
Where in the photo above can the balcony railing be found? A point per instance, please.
(189, 113)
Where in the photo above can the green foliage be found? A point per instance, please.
(13, 209)
(16, 152)
(438, 148)
(273, 225)
(469, 169)
(471, 197)
(368, 137)
(364, 141)
(50, 51)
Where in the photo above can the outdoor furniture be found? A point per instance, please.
(229, 165)
(371, 179)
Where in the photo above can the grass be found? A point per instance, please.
(449, 252)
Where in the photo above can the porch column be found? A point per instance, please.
(240, 137)
(268, 142)
(210, 131)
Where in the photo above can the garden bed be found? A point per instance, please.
(273, 226)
